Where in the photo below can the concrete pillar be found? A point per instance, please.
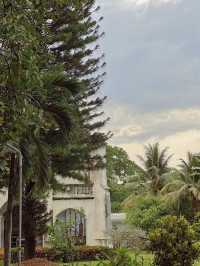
(102, 204)
(1, 231)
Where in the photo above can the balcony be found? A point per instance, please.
(75, 191)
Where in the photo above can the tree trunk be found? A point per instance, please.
(8, 217)
(195, 205)
(30, 246)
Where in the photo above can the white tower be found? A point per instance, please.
(92, 201)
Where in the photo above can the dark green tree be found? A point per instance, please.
(34, 210)
(119, 166)
(48, 85)
(125, 177)
(20, 81)
(74, 33)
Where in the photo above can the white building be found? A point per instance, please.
(86, 205)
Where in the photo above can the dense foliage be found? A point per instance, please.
(156, 164)
(58, 237)
(118, 194)
(146, 211)
(50, 73)
(121, 257)
(34, 209)
(125, 177)
(173, 242)
(82, 253)
(182, 190)
(119, 166)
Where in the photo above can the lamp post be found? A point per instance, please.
(17, 151)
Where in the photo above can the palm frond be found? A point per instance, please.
(171, 187)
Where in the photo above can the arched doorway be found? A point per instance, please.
(75, 225)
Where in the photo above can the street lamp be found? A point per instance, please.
(17, 151)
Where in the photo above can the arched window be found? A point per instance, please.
(75, 225)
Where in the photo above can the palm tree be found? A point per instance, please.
(155, 164)
(184, 188)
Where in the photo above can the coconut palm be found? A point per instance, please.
(184, 188)
(156, 164)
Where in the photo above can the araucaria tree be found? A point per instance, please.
(49, 79)
(75, 32)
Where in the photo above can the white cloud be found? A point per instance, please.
(126, 122)
(127, 131)
(136, 3)
(178, 129)
(150, 2)
(179, 144)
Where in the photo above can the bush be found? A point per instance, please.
(82, 253)
(173, 242)
(122, 258)
(58, 238)
(146, 211)
(130, 238)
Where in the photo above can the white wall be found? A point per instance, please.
(97, 209)
(88, 208)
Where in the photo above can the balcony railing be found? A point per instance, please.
(79, 189)
(76, 190)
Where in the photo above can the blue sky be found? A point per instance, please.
(152, 52)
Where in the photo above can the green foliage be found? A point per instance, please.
(173, 242)
(196, 225)
(78, 253)
(122, 258)
(118, 194)
(119, 166)
(58, 237)
(146, 211)
(182, 189)
(49, 77)
(155, 163)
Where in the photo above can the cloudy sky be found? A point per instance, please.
(152, 51)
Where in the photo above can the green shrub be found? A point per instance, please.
(82, 253)
(173, 242)
(122, 258)
(58, 237)
(196, 225)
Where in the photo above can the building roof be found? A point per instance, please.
(118, 217)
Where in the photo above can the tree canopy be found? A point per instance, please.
(50, 73)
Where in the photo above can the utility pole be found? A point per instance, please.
(17, 151)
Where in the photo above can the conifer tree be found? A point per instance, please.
(50, 75)
(75, 33)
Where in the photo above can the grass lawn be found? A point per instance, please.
(148, 258)
(147, 262)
